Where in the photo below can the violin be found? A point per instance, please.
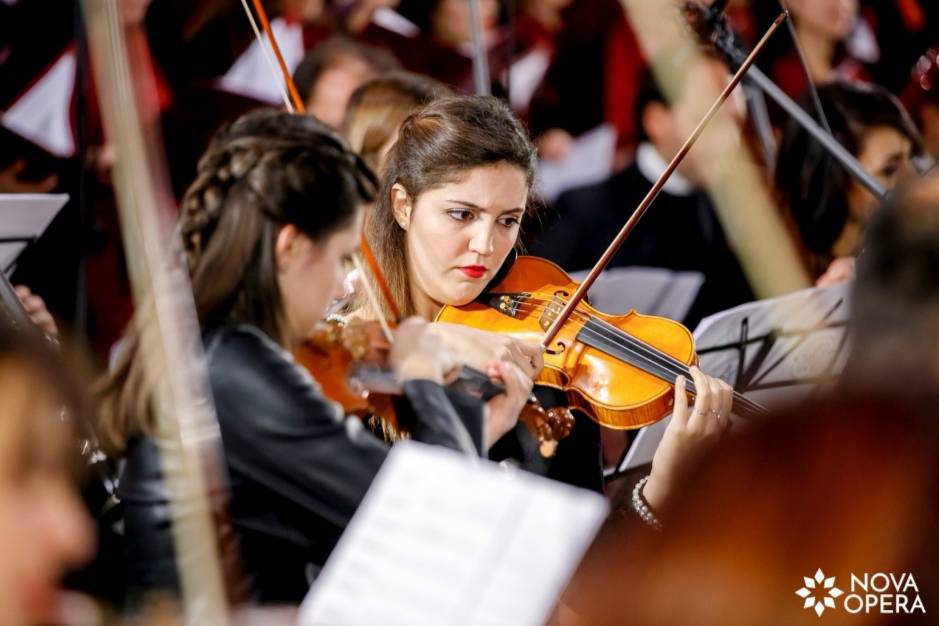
(619, 370)
(330, 354)
(349, 361)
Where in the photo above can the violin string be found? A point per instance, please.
(633, 346)
(624, 340)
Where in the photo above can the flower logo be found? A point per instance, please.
(824, 586)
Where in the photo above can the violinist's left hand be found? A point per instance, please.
(688, 433)
(502, 411)
(37, 311)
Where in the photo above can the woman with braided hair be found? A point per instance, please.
(265, 227)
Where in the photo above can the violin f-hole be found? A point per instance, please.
(561, 347)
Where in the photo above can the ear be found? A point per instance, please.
(284, 245)
(657, 121)
(401, 205)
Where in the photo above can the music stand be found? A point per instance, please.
(648, 290)
(23, 218)
(774, 351)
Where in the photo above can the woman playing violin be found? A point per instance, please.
(456, 186)
(274, 211)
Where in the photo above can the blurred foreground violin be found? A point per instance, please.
(350, 362)
(619, 370)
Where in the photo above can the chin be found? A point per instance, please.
(464, 295)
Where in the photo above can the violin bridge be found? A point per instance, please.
(508, 303)
(551, 311)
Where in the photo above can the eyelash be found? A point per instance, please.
(463, 215)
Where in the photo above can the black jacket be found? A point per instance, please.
(677, 233)
(297, 468)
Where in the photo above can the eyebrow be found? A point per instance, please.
(479, 208)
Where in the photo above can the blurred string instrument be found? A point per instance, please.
(619, 370)
(349, 360)
(186, 429)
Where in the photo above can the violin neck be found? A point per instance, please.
(621, 345)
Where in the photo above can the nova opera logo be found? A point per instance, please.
(879, 592)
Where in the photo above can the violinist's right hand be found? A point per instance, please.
(417, 352)
(479, 348)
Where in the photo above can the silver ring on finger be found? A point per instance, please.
(715, 413)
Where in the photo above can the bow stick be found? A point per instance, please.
(630, 224)
(295, 105)
(165, 318)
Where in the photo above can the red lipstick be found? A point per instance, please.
(473, 271)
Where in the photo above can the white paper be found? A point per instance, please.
(589, 160)
(42, 114)
(445, 539)
(389, 19)
(808, 352)
(648, 290)
(251, 75)
(525, 75)
(25, 216)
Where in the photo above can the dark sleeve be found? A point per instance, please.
(556, 242)
(565, 237)
(279, 432)
(445, 417)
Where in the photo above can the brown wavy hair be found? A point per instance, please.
(436, 145)
(266, 170)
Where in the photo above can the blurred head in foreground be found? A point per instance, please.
(894, 327)
(44, 529)
(845, 485)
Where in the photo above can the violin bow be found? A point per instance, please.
(637, 214)
(165, 318)
(294, 104)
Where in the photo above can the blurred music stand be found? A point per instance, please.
(774, 351)
(23, 218)
(648, 290)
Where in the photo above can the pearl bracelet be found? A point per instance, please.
(641, 507)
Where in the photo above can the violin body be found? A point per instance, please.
(331, 354)
(590, 358)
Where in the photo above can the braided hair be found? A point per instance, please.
(266, 170)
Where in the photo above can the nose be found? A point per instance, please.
(481, 241)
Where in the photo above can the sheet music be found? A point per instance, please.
(648, 290)
(251, 75)
(525, 75)
(24, 217)
(796, 346)
(389, 19)
(42, 114)
(589, 160)
(445, 539)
